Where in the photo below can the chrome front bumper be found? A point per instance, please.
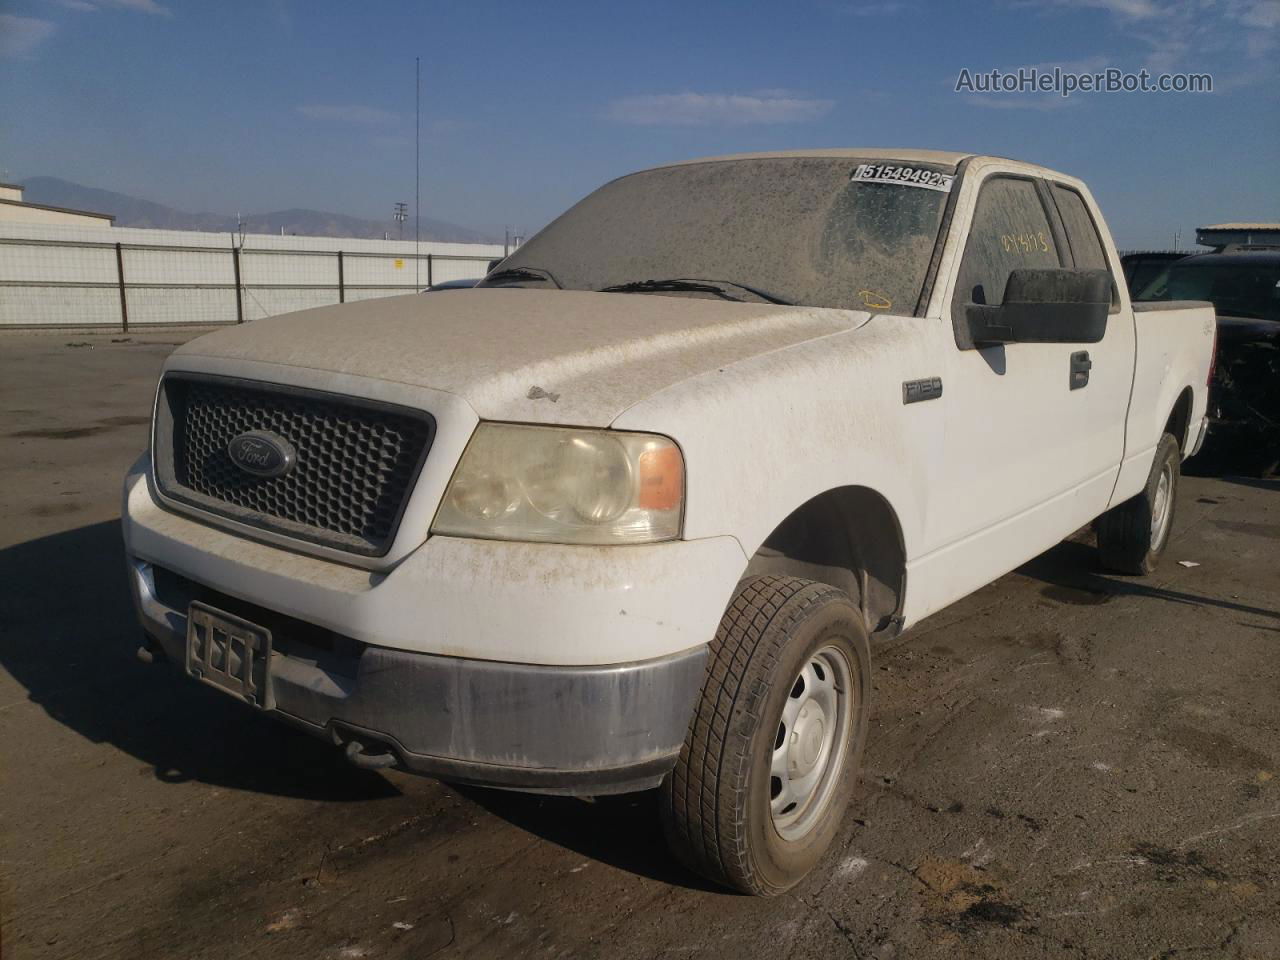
(554, 729)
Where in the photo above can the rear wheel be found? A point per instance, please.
(1132, 537)
(774, 747)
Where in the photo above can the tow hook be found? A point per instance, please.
(149, 652)
(369, 761)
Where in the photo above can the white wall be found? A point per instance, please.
(68, 275)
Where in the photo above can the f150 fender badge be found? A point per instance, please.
(261, 453)
(913, 391)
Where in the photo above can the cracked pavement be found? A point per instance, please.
(1065, 764)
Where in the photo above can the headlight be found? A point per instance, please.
(557, 485)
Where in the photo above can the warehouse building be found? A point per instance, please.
(1222, 235)
(13, 209)
(65, 275)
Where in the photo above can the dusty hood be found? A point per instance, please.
(527, 355)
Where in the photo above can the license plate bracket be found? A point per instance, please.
(230, 653)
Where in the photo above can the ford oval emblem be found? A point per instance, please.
(261, 453)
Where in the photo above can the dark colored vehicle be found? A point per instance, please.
(1244, 397)
(1140, 268)
(465, 284)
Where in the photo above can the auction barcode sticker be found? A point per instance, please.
(902, 176)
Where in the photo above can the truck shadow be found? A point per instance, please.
(68, 636)
(622, 831)
(1070, 574)
(1259, 483)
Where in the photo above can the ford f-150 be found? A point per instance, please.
(628, 514)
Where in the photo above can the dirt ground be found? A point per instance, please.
(1065, 764)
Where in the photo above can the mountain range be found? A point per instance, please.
(135, 212)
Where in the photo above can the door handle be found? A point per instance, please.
(1080, 367)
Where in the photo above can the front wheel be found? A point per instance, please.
(1132, 537)
(773, 751)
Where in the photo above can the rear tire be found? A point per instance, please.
(774, 747)
(1133, 536)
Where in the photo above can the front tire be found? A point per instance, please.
(774, 747)
(1132, 537)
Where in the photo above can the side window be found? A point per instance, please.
(1010, 230)
(1082, 234)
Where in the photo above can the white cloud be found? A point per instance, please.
(448, 126)
(1187, 34)
(717, 109)
(348, 113)
(1051, 102)
(1261, 22)
(141, 6)
(877, 8)
(1262, 14)
(137, 6)
(19, 36)
(1083, 65)
(1131, 9)
(1126, 9)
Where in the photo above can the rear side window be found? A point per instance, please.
(1010, 230)
(1143, 272)
(1082, 232)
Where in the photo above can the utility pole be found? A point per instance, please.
(401, 215)
(511, 238)
(417, 172)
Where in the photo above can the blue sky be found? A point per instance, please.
(227, 106)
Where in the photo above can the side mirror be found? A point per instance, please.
(1043, 305)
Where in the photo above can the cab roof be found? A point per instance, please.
(928, 156)
(948, 158)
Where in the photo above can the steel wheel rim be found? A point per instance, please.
(1161, 508)
(811, 743)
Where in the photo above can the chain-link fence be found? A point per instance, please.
(123, 277)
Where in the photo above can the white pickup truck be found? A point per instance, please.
(628, 514)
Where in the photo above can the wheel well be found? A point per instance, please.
(850, 538)
(1180, 419)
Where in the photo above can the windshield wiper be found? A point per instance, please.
(512, 274)
(695, 286)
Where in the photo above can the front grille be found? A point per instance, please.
(357, 460)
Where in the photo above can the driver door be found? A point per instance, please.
(1031, 453)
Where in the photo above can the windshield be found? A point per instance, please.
(1235, 289)
(801, 228)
